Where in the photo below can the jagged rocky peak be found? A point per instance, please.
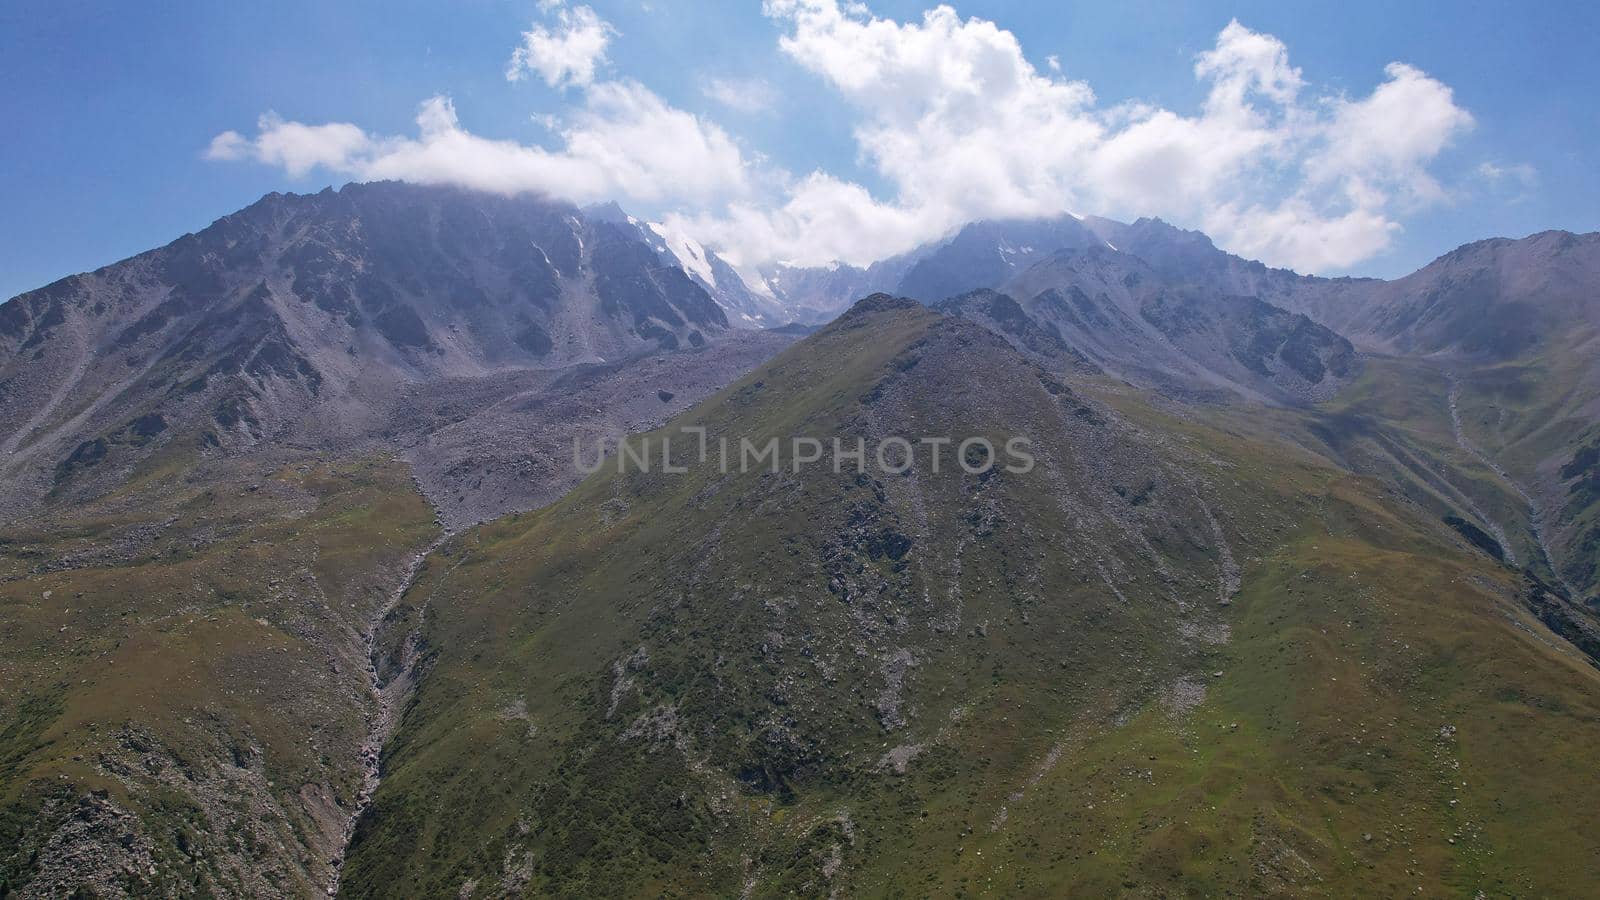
(1497, 298)
(987, 253)
(399, 263)
(880, 302)
(744, 307)
(310, 312)
(1099, 309)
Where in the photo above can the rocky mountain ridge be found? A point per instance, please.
(311, 320)
(296, 566)
(971, 676)
(1120, 314)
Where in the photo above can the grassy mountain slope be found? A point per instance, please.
(183, 689)
(1173, 657)
(1512, 320)
(1536, 416)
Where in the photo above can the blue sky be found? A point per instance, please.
(695, 114)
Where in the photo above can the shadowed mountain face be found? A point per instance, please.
(1120, 314)
(1497, 299)
(306, 318)
(745, 308)
(989, 254)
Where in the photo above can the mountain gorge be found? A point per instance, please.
(302, 590)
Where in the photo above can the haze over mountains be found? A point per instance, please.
(297, 594)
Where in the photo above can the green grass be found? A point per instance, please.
(741, 749)
(1533, 415)
(210, 639)
(697, 685)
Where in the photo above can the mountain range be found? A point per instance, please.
(371, 316)
(302, 590)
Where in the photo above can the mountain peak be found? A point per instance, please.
(881, 302)
(248, 329)
(609, 211)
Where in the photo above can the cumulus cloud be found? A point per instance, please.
(231, 145)
(624, 142)
(567, 54)
(297, 148)
(820, 219)
(1384, 142)
(956, 125)
(1297, 233)
(962, 126)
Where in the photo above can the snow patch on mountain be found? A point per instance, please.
(690, 254)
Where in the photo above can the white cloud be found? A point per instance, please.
(1295, 229)
(1245, 63)
(750, 95)
(232, 145)
(566, 55)
(961, 126)
(821, 219)
(624, 142)
(1383, 143)
(956, 125)
(297, 148)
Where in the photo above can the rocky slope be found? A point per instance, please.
(1169, 654)
(1264, 618)
(1514, 321)
(1118, 313)
(315, 321)
(206, 456)
(819, 293)
(1497, 299)
(980, 255)
(1516, 324)
(183, 677)
(745, 307)
(849, 610)
(991, 253)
